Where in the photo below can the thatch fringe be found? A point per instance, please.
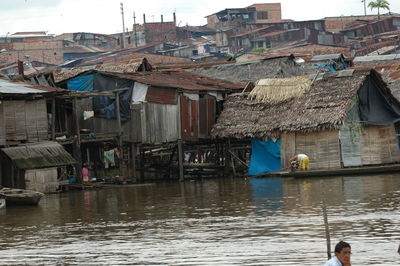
(279, 90)
(322, 107)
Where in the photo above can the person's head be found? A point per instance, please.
(343, 251)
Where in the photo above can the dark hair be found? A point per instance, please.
(341, 245)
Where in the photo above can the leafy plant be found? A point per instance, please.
(379, 4)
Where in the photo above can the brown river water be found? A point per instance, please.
(210, 222)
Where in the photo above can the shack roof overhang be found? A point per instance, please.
(19, 89)
(39, 155)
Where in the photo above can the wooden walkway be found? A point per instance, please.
(366, 170)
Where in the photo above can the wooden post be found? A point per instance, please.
(119, 137)
(180, 160)
(133, 160)
(118, 114)
(76, 146)
(53, 119)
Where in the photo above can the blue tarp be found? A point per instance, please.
(265, 156)
(81, 83)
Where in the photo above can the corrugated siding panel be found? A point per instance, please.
(161, 95)
(135, 123)
(379, 145)
(350, 146)
(211, 115)
(203, 132)
(322, 148)
(159, 123)
(189, 119)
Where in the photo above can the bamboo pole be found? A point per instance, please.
(326, 223)
(237, 158)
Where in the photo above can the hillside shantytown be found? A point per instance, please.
(162, 101)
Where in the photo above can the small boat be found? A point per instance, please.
(15, 196)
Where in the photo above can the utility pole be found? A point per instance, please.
(365, 6)
(134, 28)
(123, 26)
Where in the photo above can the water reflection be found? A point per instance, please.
(211, 222)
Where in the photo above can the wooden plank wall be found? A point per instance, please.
(37, 126)
(96, 124)
(207, 113)
(288, 148)
(26, 120)
(323, 148)
(379, 145)
(189, 118)
(14, 113)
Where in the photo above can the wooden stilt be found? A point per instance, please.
(76, 146)
(119, 137)
(232, 162)
(180, 160)
(53, 119)
(133, 161)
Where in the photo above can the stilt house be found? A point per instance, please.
(28, 159)
(339, 119)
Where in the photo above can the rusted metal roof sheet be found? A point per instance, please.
(180, 80)
(67, 73)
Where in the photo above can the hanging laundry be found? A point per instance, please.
(109, 158)
(88, 114)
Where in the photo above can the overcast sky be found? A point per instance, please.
(104, 16)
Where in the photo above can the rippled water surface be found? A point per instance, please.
(209, 222)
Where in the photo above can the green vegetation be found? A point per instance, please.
(384, 4)
(258, 50)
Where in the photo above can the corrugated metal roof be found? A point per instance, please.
(376, 58)
(39, 155)
(324, 57)
(10, 87)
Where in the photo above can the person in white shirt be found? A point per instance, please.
(342, 255)
(302, 161)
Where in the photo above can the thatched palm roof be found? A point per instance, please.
(322, 106)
